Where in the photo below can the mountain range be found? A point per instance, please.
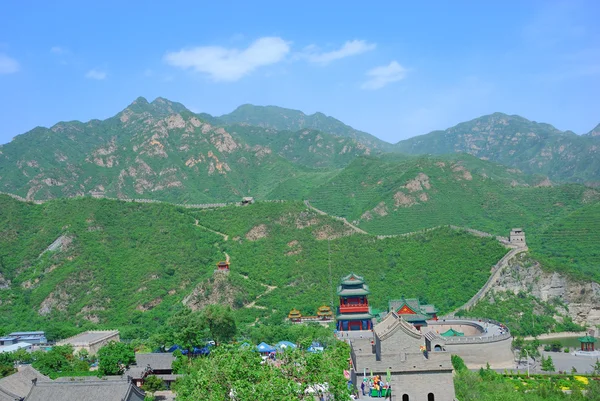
(96, 262)
(161, 150)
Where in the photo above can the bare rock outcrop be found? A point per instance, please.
(582, 298)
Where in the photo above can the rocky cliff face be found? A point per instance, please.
(582, 298)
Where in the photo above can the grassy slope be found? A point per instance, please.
(489, 198)
(571, 243)
(128, 256)
(443, 267)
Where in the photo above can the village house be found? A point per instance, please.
(31, 337)
(152, 364)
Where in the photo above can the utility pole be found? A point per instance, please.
(330, 277)
(527, 353)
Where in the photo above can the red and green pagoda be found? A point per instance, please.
(354, 312)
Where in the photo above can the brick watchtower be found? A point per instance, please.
(353, 312)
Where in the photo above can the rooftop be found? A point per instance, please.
(14, 347)
(90, 337)
(352, 279)
(19, 384)
(354, 316)
(96, 390)
(346, 292)
(157, 361)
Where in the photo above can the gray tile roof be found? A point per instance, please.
(90, 337)
(157, 361)
(19, 384)
(98, 390)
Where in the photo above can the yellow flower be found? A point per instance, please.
(582, 379)
(564, 388)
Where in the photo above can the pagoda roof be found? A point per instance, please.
(354, 316)
(346, 292)
(452, 333)
(324, 308)
(415, 318)
(352, 279)
(413, 304)
(587, 339)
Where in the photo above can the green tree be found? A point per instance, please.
(153, 384)
(115, 357)
(7, 364)
(240, 374)
(188, 329)
(596, 367)
(221, 322)
(548, 364)
(57, 360)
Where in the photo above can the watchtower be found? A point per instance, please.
(223, 266)
(353, 312)
(517, 237)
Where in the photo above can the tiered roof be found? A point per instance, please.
(587, 339)
(352, 285)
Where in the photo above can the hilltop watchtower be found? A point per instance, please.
(517, 237)
(223, 266)
(353, 312)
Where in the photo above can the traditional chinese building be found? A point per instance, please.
(223, 266)
(587, 343)
(413, 312)
(324, 312)
(416, 365)
(295, 315)
(353, 312)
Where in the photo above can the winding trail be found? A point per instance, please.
(342, 219)
(225, 236)
(253, 303)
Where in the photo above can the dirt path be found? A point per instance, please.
(342, 219)
(252, 304)
(225, 236)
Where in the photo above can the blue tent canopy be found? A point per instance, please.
(282, 345)
(264, 347)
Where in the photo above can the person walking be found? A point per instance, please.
(362, 387)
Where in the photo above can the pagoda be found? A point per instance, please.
(295, 315)
(324, 313)
(223, 266)
(353, 312)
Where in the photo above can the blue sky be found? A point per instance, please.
(389, 68)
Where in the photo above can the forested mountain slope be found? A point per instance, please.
(131, 265)
(283, 119)
(161, 150)
(402, 196)
(534, 148)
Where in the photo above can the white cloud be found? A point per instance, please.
(223, 64)
(58, 50)
(96, 74)
(8, 65)
(379, 77)
(350, 48)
